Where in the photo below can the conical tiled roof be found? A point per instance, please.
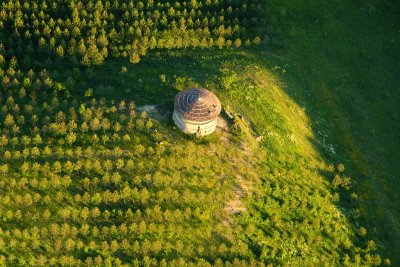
(197, 104)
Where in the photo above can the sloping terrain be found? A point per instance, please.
(342, 67)
(305, 175)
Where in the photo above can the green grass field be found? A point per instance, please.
(337, 63)
(307, 177)
(343, 69)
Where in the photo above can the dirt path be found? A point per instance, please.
(235, 204)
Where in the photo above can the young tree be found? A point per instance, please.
(4, 168)
(35, 152)
(60, 51)
(9, 121)
(3, 141)
(134, 58)
(37, 140)
(70, 138)
(238, 43)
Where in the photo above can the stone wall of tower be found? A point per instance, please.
(191, 127)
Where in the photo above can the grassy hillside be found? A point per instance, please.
(93, 172)
(269, 200)
(342, 63)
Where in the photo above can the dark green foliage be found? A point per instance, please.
(90, 31)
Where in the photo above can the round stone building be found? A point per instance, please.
(196, 111)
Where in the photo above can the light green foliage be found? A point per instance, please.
(129, 197)
(86, 181)
(147, 186)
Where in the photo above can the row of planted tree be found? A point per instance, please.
(90, 31)
(94, 182)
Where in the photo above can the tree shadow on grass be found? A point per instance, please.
(160, 75)
(344, 73)
(154, 81)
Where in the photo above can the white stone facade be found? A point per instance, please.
(193, 127)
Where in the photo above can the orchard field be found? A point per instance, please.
(93, 172)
